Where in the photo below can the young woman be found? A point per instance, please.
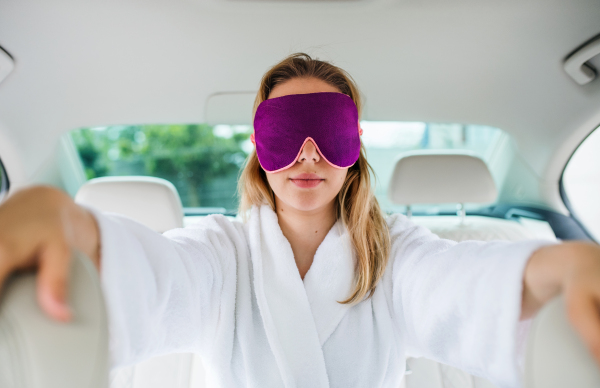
(316, 288)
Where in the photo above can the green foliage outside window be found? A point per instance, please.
(202, 163)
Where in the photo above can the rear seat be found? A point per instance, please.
(441, 178)
(417, 178)
(155, 203)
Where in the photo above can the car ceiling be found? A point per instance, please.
(499, 63)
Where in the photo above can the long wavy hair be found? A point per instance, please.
(356, 204)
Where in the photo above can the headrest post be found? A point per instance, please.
(461, 212)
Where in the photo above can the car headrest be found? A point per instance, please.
(556, 356)
(153, 202)
(441, 177)
(38, 352)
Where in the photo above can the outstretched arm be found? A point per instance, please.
(164, 293)
(572, 268)
(460, 303)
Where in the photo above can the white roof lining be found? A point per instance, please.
(160, 60)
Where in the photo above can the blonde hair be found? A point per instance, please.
(356, 204)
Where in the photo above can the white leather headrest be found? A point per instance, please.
(38, 352)
(556, 356)
(153, 202)
(441, 177)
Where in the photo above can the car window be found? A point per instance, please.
(3, 182)
(385, 142)
(203, 162)
(581, 184)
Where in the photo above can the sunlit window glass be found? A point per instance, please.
(203, 162)
(385, 142)
(581, 181)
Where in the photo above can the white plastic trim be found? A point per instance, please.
(6, 64)
(231, 108)
(576, 67)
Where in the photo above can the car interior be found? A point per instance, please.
(480, 122)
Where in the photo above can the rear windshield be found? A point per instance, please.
(203, 162)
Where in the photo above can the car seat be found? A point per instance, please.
(151, 201)
(443, 177)
(38, 352)
(155, 203)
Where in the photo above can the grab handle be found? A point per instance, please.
(575, 65)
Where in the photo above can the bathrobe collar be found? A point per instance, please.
(299, 316)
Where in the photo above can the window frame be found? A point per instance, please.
(4, 182)
(565, 198)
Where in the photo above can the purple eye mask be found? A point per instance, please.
(282, 126)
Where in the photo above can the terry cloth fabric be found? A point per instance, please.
(231, 292)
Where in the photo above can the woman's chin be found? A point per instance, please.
(308, 202)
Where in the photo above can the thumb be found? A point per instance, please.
(52, 279)
(5, 268)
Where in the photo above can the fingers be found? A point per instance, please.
(584, 314)
(5, 267)
(52, 279)
(36, 230)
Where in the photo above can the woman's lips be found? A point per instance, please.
(307, 180)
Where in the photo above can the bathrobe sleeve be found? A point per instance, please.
(165, 293)
(460, 303)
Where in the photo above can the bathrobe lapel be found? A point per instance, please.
(329, 280)
(283, 304)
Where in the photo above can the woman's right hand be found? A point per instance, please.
(39, 227)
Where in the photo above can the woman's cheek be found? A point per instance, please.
(341, 177)
(276, 181)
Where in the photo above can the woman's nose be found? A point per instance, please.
(309, 153)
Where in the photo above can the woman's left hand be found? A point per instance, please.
(572, 268)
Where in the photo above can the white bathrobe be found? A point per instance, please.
(232, 293)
